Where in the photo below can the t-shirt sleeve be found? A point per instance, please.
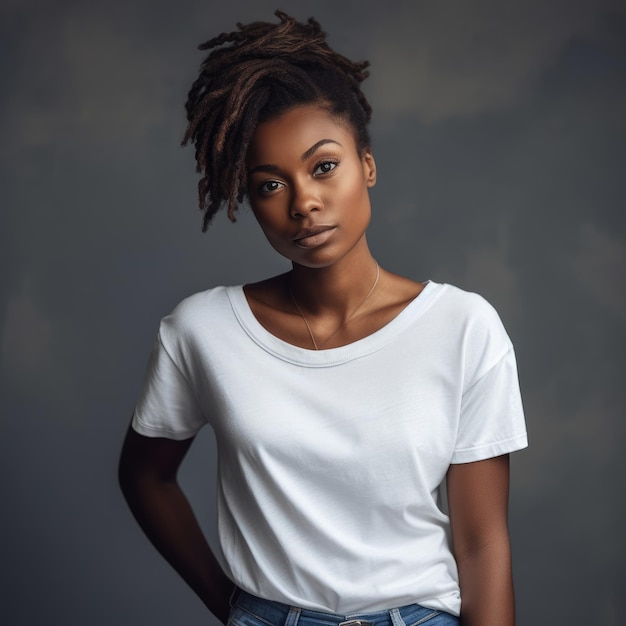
(491, 421)
(167, 406)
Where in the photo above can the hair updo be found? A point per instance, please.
(267, 69)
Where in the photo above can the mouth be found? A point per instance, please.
(312, 237)
(311, 232)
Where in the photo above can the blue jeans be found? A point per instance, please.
(249, 610)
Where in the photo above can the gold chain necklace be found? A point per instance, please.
(308, 327)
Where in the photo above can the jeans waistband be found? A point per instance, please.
(279, 614)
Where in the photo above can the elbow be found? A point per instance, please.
(125, 476)
(495, 542)
(128, 469)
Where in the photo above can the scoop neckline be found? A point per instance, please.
(329, 356)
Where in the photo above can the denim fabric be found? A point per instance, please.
(249, 610)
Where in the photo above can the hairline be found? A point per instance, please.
(343, 118)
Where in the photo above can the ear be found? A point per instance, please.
(369, 167)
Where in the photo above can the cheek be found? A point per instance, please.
(272, 228)
(360, 197)
(266, 219)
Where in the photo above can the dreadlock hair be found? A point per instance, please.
(267, 69)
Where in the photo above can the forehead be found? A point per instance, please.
(295, 131)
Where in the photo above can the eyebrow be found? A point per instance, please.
(273, 169)
(308, 153)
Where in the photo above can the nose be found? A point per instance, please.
(304, 200)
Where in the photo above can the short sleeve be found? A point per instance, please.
(491, 420)
(167, 406)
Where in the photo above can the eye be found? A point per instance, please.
(269, 186)
(325, 167)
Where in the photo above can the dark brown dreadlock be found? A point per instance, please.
(267, 69)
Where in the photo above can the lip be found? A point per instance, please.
(313, 237)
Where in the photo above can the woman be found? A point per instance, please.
(341, 395)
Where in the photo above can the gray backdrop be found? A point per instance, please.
(499, 134)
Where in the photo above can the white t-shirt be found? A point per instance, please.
(330, 461)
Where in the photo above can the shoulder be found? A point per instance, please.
(469, 309)
(197, 303)
(474, 325)
(197, 313)
(461, 301)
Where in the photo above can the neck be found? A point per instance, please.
(335, 290)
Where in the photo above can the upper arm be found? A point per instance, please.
(478, 495)
(151, 457)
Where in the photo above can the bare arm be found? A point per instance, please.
(147, 474)
(478, 502)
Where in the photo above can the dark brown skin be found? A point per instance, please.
(305, 171)
(478, 504)
(289, 190)
(147, 475)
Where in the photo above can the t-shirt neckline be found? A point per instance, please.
(329, 356)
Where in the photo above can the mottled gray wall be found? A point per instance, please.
(499, 134)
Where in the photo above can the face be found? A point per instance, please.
(308, 186)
